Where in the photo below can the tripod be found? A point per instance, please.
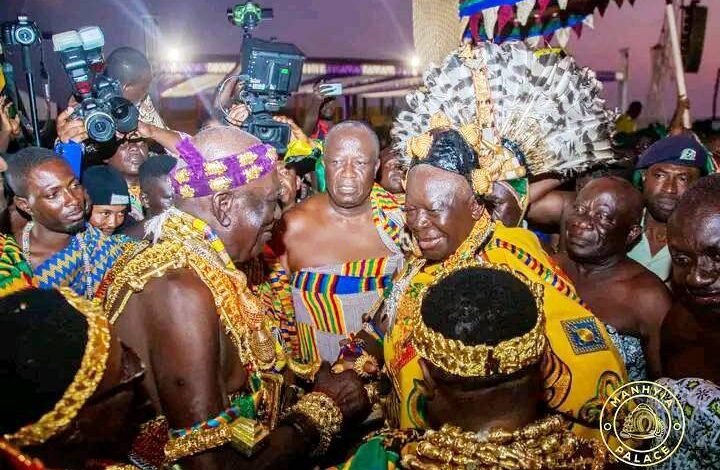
(27, 68)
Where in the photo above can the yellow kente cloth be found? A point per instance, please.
(581, 369)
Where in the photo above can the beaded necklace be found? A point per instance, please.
(87, 267)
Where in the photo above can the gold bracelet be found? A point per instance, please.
(320, 410)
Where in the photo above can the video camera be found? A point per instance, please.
(271, 72)
(100, 101)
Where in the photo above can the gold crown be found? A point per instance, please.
(457, 358)
(85, 382)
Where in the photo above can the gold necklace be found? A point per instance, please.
(479, 235)
(545, 444)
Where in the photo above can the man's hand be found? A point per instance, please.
(7, 125)
(238, 114)
(346, 390)
(69, 128)
(296, 132)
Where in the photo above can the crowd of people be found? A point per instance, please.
(468, 296)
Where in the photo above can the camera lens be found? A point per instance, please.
(100, 126)
(25, 35)
(125, 114)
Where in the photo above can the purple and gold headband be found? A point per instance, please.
(201, 178)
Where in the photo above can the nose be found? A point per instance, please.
(420, 221)
(670, 186)
(73, 198)
(347, 169)
(581, 221)
(701, 275)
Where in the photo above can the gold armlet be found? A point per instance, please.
(306, 372)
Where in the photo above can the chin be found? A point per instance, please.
(74, 228)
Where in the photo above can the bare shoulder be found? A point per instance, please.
(650, 296)
(178, 298)
(305, 215)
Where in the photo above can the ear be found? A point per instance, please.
(635, 233)
(221, 204)
(476, 208)
(377, 165)
(430, 385)
(23, 204)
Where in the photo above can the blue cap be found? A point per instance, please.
(676, 150)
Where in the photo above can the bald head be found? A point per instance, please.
(629, 199)
(222, 141)
(604, 221)
(357, 129)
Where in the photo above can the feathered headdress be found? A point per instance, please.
(523, 113)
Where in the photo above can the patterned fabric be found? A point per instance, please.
(66, 267)
(200, 177)
(329, 301)
(700, 448)
(550, 274)
(384, 203)
(576, 368)
(149, 115)
(15, 272)
(630, 348)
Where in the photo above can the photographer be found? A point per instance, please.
(132, 71)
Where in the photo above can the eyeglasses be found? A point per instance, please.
(132, 374)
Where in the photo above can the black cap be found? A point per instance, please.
(106, 186)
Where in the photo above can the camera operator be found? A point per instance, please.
(132, 69)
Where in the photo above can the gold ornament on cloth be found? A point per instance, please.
(545, 444)
(457, 358)
(85, 382)
(244, 434)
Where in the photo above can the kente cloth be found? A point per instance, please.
(700, 447)
(329, 301)
(15, 272)
(269, 280)
(581, 367)
(66, 268)
(630, 348)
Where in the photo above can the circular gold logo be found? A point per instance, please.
(642, 423)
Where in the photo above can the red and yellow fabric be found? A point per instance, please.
(581, 368)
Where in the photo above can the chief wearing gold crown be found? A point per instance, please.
(474, 125)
